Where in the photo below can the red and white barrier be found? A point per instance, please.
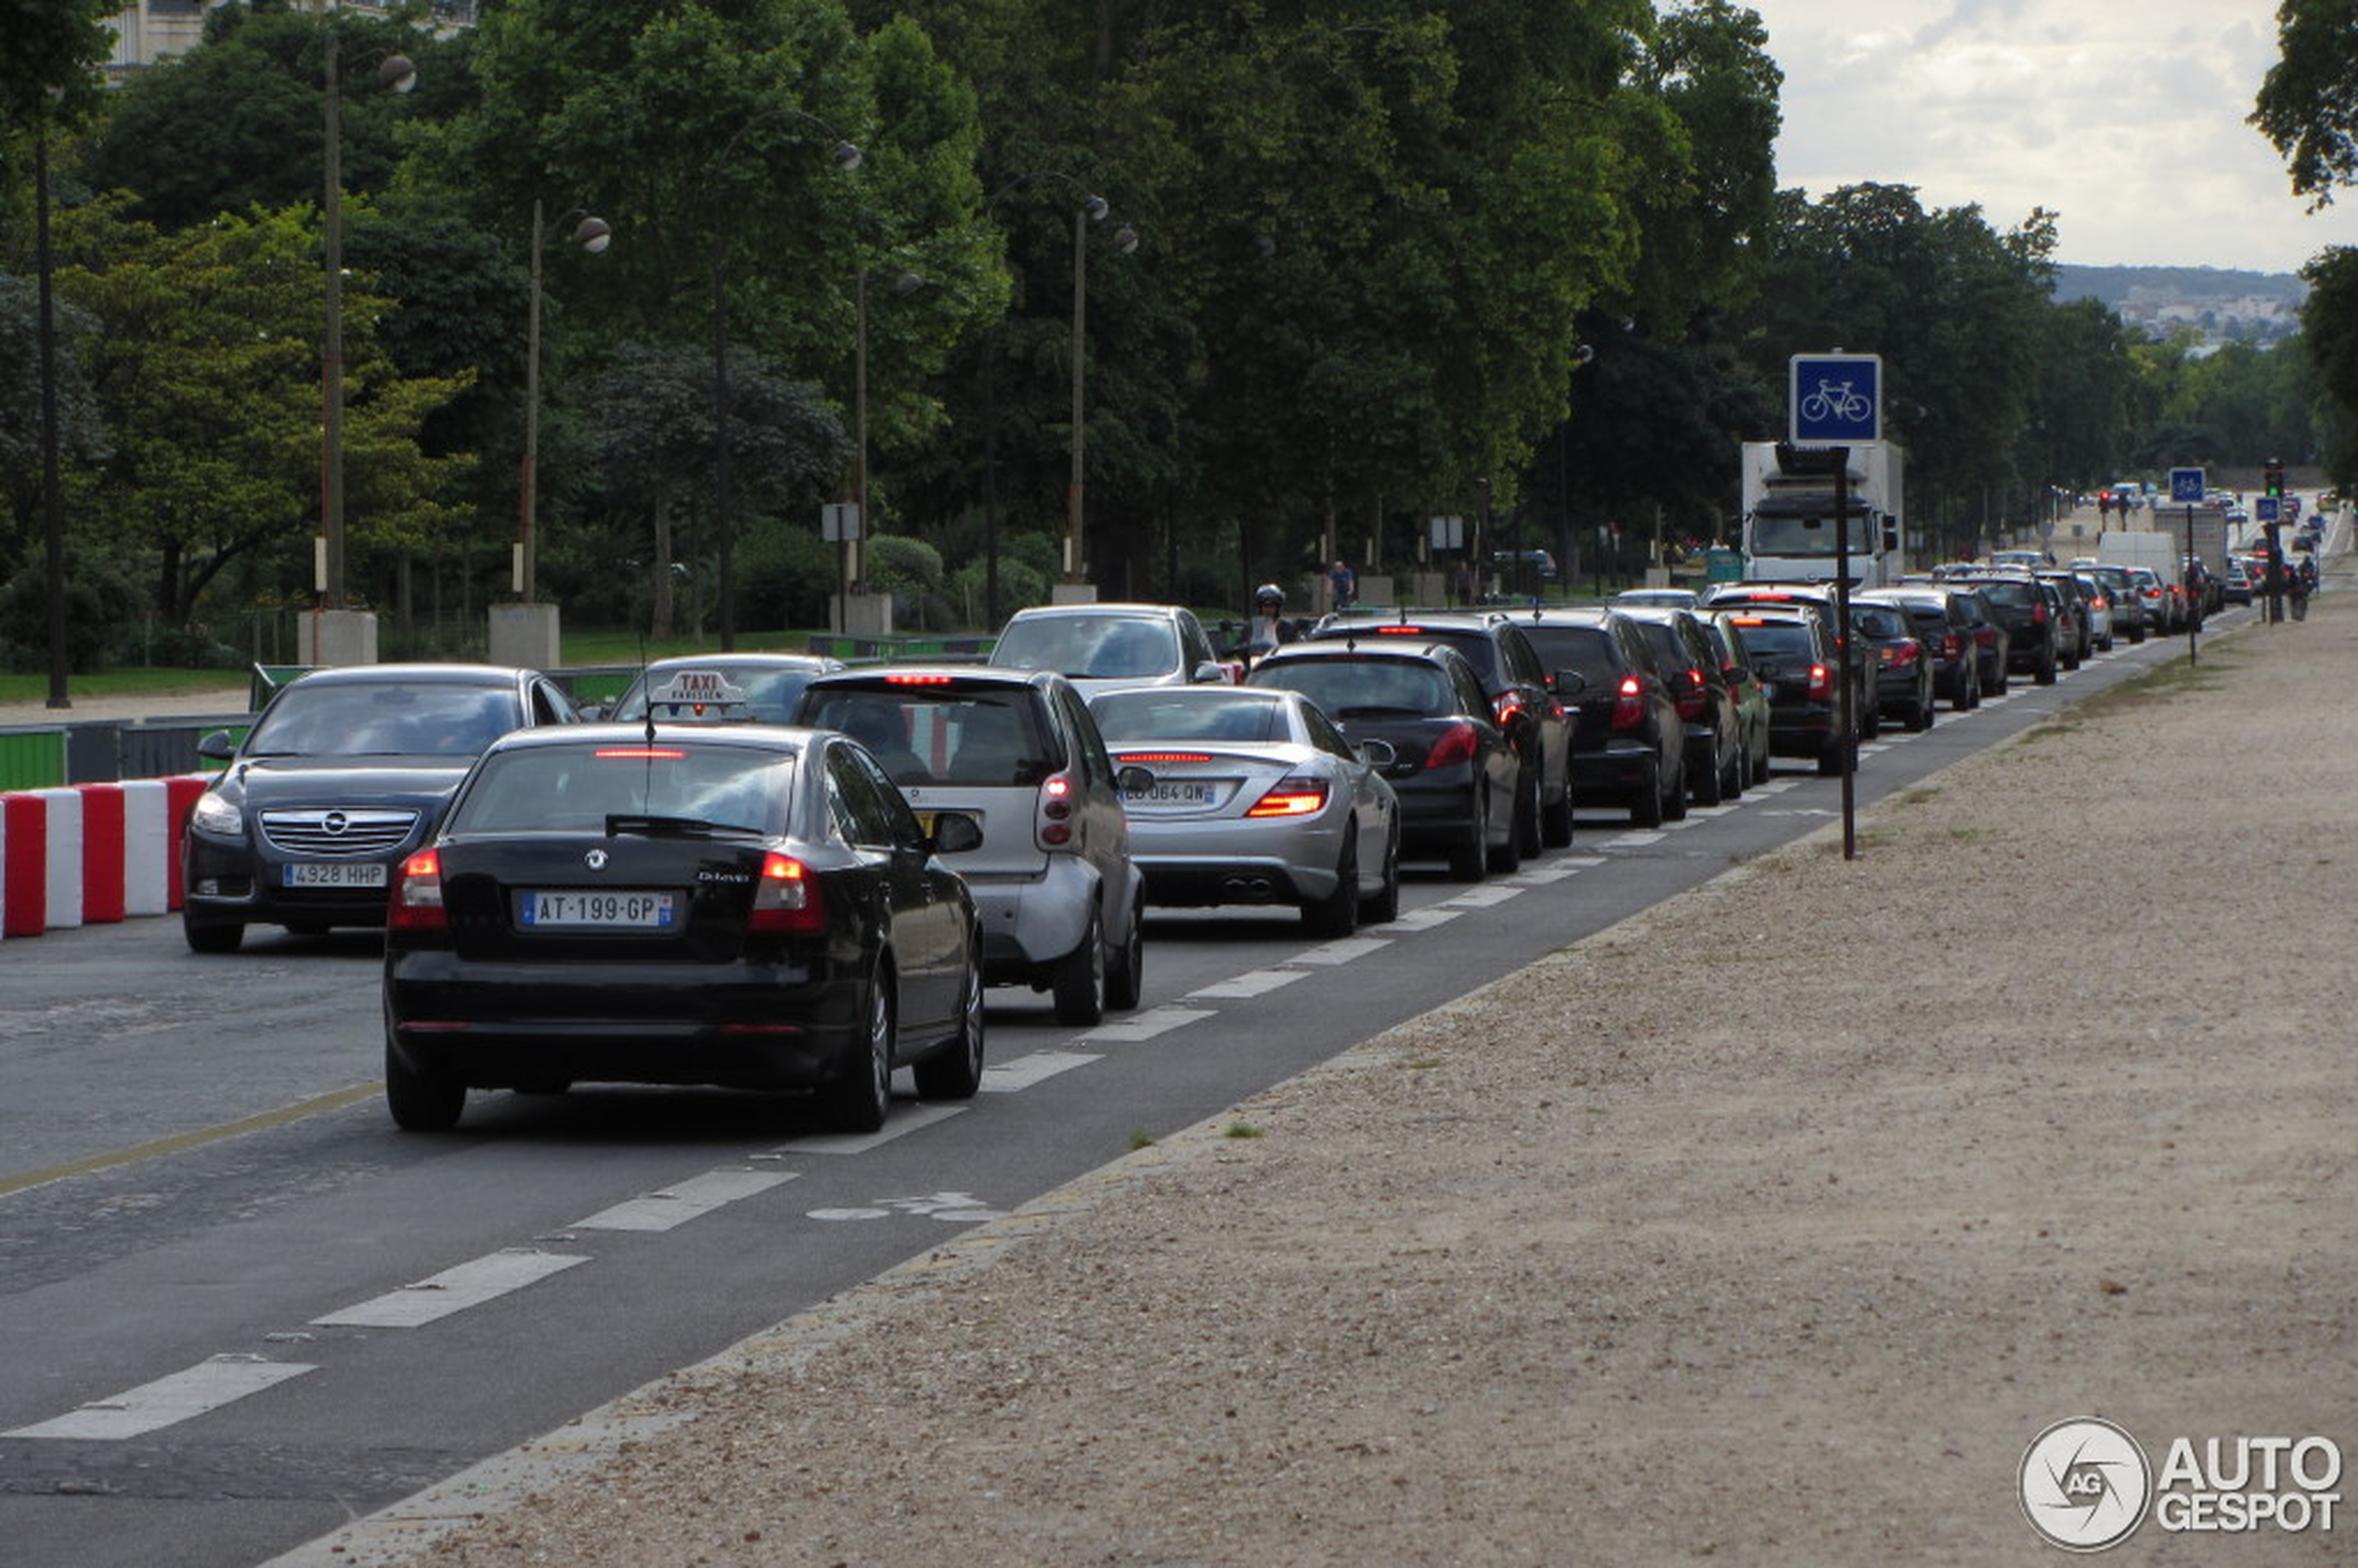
(92, 853)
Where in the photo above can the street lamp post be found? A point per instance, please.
(847, 158)
(847, 569)
(594, 235)
(1092, 210)
(396, 73)
(52, 502)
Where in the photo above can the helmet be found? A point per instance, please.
(1269, 593)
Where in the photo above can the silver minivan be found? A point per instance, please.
(1060, 903)
(1106, 647)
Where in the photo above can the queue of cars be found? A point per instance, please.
(778, 872)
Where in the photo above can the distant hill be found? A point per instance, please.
(2222, 304)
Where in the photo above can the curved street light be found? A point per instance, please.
(904, 283)
(847, 158)
(396, 73)
(594, 235)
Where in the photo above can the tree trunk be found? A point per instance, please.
(660, 626)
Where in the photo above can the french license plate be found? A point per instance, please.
(335, 873)
(602, 910)
(1170, 795)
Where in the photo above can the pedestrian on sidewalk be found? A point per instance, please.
(2297, 589)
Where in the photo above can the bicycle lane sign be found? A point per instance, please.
(1834, 399)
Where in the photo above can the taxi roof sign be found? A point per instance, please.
(698, 690)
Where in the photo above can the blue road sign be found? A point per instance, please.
(1835, 399)
(2263, 508)
(2186, 486)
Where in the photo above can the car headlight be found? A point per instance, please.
(216, 815)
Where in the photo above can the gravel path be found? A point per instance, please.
(1766, 1230)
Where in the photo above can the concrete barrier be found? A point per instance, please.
(92, 853)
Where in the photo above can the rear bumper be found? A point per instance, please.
(1613, 772)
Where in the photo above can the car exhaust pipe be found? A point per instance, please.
(1248, 889)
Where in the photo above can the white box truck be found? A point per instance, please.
(1788, 516)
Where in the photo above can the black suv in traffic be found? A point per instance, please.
(1795, 661)
(2027, 609)
(1522, 697)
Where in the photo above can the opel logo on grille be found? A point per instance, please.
(336, 822)
(597, 859)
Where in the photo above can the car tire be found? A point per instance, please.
(420, 1100)
(2136, 636)
(1078, 981)
(1873, 727)
(1645, 806)
(1531, 831)
(1505, 860)
(1710, 786)
(1126, 977)
(1731, 779)
(213, 935)
(1921, 716)
(1469, 860)
(1555, 822)
(1337, 915)
(953, 1071)
(2046, 675)
(1385, 907)
(859, 1100)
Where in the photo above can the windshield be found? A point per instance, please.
(391, 718)
(1187, 714)
(1583, 650)
(575, 789)
(1089, 647)
(1778, 533)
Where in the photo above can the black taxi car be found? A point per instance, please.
(749, 906)
(344, 773)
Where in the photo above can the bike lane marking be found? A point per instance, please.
(207, 1386)
(454, 1289)
(678, 1204)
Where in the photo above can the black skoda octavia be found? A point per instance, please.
(749, 906)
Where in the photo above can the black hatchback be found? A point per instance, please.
(1795, 661)
(1455, 772)
(1629, 748)
(1522, 699)
(1698, 681)
(747, 906)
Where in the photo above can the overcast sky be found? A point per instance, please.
(2124, 117)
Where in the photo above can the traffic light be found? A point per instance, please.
(2275, 485)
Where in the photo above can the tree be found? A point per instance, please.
(2308, 104)
(81, 436)
(206, 363)
(48, 72)
(2329, 332)
(650, 428)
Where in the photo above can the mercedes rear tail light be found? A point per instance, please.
(415, 900)
(1455, 744)
(1293, 796)
(788, 900)
(1629, 704)
(1054, 825)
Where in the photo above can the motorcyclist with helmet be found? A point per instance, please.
(1268, 628)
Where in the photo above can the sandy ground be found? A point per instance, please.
(1768, 1230)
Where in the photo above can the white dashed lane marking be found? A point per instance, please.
(1023, 1071)
(1147, 1024)
(1424, 919)
(689, 1200)
(1342, 951)
(206, 1386)
(905, 1121)
(1252, 983)
(1484, 897)
(454, 1289)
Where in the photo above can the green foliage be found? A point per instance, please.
(2308, 105)
(53, 46)
(81, 439)
(2330, 332)
(24, 622)
(895, 564)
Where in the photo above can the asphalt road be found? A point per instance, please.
(239, 1308)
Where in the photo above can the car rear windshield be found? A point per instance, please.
(944, 734)
(1368, 688)
(714, 696)
(1878, 620)
(2011, 595)
(1668, 646)
(1189, 714)
(388, 719)
(1089, 647)
(1587, 651)
(574, 789)
(1480, 648)
(1785, 640)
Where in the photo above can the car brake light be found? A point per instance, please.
(1397, 630)
(786, 899)
(2038, 615)
(1821, 683)
(1690, 696)
(1144, 757)
(415, 901)
(1455, 744)
(1291, 797)
(1951, 646)
(1629, 704)
(641, 753)
(1903, 653)
(1054, 827)
(918, 680)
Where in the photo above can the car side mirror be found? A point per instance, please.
(1377, 754)
(590, 713)
(955, 832)
(1567, 682)
(217, 746)
(1133, 780)
(1209, 674)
